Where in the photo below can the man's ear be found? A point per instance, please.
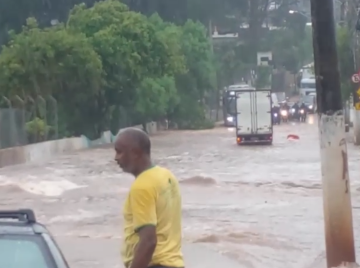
(137, 152)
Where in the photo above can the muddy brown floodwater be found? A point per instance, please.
(254, 206)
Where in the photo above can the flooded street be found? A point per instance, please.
(259, 206)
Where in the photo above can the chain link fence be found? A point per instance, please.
(12, 128)
(214, 106)
(27, 120)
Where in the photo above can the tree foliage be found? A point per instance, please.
(131, 51)
(194, 85)
(52, 61)
(36, 60)
(346, 60)
(107, 63)
(113, 63)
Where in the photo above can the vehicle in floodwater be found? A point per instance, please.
(310, 102)
(307, 86)
(229, 102)
(253, 119)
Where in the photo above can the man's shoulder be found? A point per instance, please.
(155, 172)
(153, 178)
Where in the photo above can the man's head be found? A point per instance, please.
(132, 147)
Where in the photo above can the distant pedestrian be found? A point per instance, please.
(152, 211)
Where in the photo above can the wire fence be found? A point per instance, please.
(27, 120)
(30, 120)
(213, 104)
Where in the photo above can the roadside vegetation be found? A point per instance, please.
(110, 64)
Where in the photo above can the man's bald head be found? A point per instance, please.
(135, 138)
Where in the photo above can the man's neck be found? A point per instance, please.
(143, 166)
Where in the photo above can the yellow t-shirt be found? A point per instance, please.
(154, 199)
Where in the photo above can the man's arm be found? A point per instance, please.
(143, 205)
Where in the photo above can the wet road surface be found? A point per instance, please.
(260, 206)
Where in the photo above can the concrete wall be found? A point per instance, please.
(43, 151)
(12, 156)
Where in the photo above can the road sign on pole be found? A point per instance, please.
(355, 78)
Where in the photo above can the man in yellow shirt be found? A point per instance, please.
(152, 210)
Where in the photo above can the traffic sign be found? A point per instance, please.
(355, 78)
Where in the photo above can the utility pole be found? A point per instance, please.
(356, 87)
(356, 95)
(339, 235)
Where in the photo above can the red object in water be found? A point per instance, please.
(293, 137)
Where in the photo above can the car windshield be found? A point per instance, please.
(24, 251)
(308, 99)
(231, 105)
(281, 97)
(308, 85)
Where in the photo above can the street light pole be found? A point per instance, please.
(339, 235)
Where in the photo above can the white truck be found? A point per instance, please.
(253, 118)
(307, 86)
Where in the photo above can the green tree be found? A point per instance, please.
(191, 56)
(137, 59)
(107, 61)
(263, 77)
(289, 49)
(170, 35)
(199, 81)
(346, 60)
(52, 61)
(156, 97)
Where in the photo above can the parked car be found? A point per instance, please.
(25, 243)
